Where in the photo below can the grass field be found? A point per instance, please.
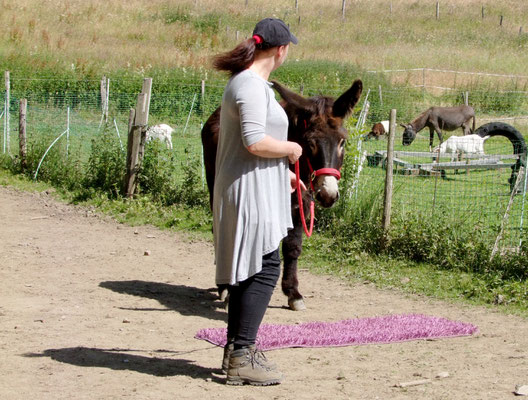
(478, 197)
(89, 39)
(57, 60)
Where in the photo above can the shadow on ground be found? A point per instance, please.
(186, 300)
(122, 359)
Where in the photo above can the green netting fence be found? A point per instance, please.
(477, 194)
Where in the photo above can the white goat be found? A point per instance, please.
(162, 132)
(462, 144)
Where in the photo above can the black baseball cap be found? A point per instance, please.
(274, 32)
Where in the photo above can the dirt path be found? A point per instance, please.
(84, 314)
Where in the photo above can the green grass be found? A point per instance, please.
(82, 41)
(321, 253)
(479, 197)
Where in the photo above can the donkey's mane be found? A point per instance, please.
(419, 122)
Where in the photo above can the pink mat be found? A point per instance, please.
(383, 329)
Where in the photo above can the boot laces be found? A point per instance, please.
(258, 358)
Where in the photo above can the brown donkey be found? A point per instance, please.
(315, 123)
(439, 119)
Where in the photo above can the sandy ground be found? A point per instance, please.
(85, 314)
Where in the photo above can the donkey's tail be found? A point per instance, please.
(473, 131)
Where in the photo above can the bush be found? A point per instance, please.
(105, 170)
(171, 181)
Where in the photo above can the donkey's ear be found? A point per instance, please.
(291, 97)
(346, 102)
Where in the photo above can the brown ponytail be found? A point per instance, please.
(238, 59)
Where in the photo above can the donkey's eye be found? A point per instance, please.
(313, 146)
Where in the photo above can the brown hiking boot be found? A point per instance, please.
(259, 355)
(249, 366)
(262, 359)
(228, 349)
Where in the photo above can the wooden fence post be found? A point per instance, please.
(131, 116)
(22, 140)
(137, 134)
(144, 116)
(134, 137)
(387, 200)
(343, 9)
(147, 90)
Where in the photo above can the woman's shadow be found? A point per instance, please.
(186, 300)
(122, 359)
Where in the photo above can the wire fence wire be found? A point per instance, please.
(472, 192)
(477, 194)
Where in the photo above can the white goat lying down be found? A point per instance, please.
(463, 144)
(162, 132)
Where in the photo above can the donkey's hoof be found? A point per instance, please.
(297, 304)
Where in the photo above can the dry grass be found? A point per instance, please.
(138, 34)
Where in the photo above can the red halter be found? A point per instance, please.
(313, 175)
(323, 171)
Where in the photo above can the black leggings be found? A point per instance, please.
(249, 300)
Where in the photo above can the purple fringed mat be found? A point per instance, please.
(384, 329)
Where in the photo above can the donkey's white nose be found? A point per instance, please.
(328, 191)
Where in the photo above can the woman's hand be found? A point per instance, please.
(295, 152)
(293, 182)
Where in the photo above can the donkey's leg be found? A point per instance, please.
(466, 129)
(291, 250)
(431, 138)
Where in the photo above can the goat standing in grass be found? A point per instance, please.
(463, 144)
(378, 129)
(458, 145)
(162, 132)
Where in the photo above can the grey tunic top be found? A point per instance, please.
(251, 206)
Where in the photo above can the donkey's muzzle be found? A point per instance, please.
(326, 190)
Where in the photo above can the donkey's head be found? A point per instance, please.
(316, 123)
(409, 134)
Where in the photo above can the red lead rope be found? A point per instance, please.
(301, 207)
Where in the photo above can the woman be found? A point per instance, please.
(251, 206)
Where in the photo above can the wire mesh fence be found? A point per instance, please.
(477, 193)
(473, 191)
